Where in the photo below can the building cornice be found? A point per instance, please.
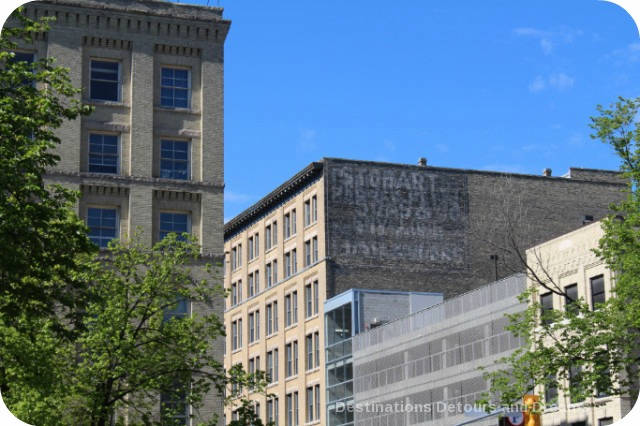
(117, 180)
(284, 191)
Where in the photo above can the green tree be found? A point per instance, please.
(85, 336)
(40, 235)
(582, 351)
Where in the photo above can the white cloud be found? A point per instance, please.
(559, 81)
(236, 197)
(537, 84)
(549, 39)
(546, 45)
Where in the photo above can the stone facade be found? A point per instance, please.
(570, 260)
(145, 38)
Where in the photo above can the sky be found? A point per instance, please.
(493, 85)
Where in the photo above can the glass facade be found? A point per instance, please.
(339, 364)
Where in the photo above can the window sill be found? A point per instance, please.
(290, 378)
(269, 336)
(312, 317)
(235, 351)
(272, 384)
(289, 238)
(270, 249)
(98, 102)
(176, 109)
(291, 327)
(313, 370)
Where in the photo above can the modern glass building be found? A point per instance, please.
(348, 314)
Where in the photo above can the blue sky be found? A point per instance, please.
(496, 85)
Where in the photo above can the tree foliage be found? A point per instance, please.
(582, 351)
(89, 337)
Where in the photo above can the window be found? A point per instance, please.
(307, 212)
(313, 403)
(294, 302)
(294, 261)
(268, 276)
(275, 271)
(173, 222)
(174, 90)
(316, 343)
(234, 258)
(310, 410)
(291, 355)
(250, 285)
(546, 306)
(314, 242)
(551, 392)
(314, 209)
(287, 225)
(270, 377)
(105, 81)
(308, 301)
(272, 410)
(175, 409)
(103, 225)
(571, 297)
(257, 325)
(309, 351)
(316, 299)
(23, 57)
(269, 319)
(256, 245)
(174, 159)
(256, 282)
(274, 233)
(275, 316)
(267, 237)
(252, 336)
(605, 421)
(287, 264)
(307, 253)
(250, 248)
(234, 336)
(239, 291)
(575, 377)
(103, 153)
(179, 310)
(239, 255)
(234, 294)
(597, 291)
(292, 409)
(287, 311)
(293, 222)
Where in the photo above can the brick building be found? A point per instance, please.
(150, 157)
(342, 224)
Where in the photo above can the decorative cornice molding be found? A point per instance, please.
(98, 179)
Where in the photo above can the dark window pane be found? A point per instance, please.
(571, 296)
(597, 291)
(102, 225)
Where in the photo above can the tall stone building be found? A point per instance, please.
(150, 157)
(342, 224)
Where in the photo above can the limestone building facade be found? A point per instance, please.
(570, 263)
(342, 224)
(149, 158)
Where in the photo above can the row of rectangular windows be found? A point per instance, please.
(291, 407)
(105, 82)
(104, 156)
(271, 233)
(312, 306)
(310, 257)
(103, 224)
(598, 297)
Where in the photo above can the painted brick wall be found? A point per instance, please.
(392, 226)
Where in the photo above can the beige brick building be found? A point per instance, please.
(150, 157)
(571, 263)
